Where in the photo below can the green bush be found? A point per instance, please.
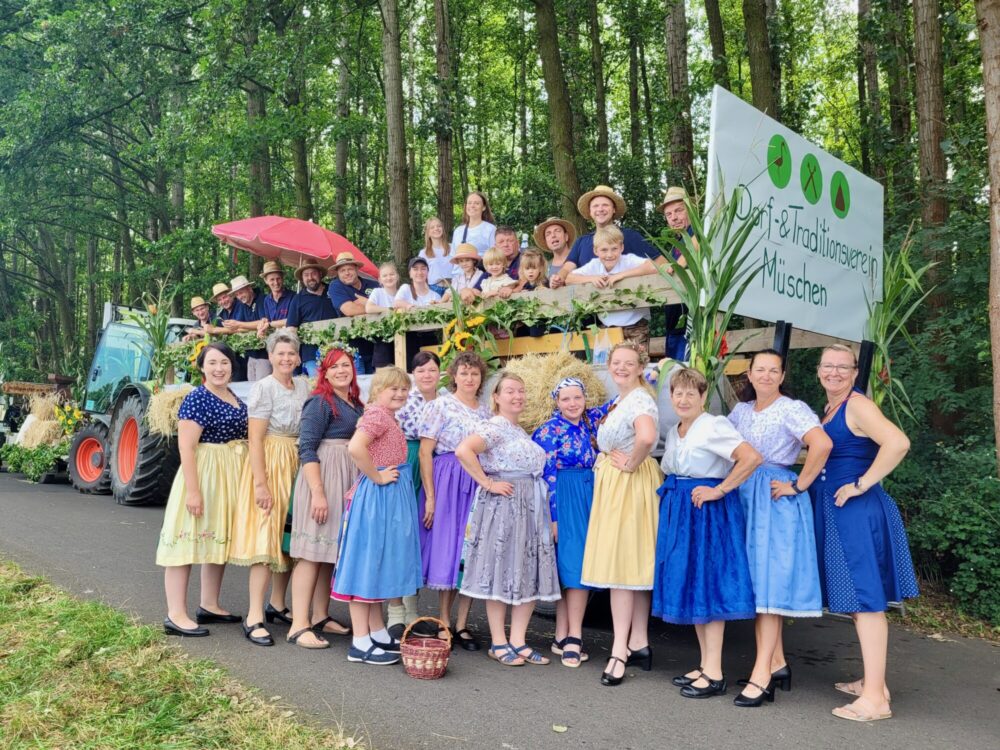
(33, 462)
(951, 500)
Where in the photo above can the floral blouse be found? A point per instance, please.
(448, 421)
(388, 446)
(617, 432)
(508, 448)
(777, 431)
(412, 412)
(567, 446)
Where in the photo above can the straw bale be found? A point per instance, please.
(541, 372)
(42, 432)
(161, 415)
(43, 405)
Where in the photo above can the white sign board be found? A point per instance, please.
(820, 227)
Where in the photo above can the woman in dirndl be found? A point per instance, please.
(780, 537)
(425, 370)
(446, 496)
(621, 537)
(380, 552)
(326, 474)
(864, 555)
(569, 439)
(510, 557)
(702, 574)
(211, 438)
(275, 411)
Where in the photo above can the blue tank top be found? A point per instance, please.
(851, 455)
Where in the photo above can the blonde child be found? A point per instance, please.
(437, 253)
(609, 267)
(381, 299)
(380, 552)
(531, 273)
(496, 266)
(466, 277)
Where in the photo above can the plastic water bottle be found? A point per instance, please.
(359, 364)
(524, 241)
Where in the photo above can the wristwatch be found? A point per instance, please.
(795, 487)
(857, 483)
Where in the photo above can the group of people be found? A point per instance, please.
(482, 260)
(424, 487)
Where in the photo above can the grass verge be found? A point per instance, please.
(935, 613)
(79, 674)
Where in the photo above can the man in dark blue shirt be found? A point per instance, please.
(349, 293)
(674, 210)
(506, 242)
(603, 206)
(308, 306)
(274, 303)
(249, 317)
(230, 309)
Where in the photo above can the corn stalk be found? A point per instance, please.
(902, 294)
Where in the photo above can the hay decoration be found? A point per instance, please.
(161, 416)
(541, 372)
(42, 432)
(43, 405)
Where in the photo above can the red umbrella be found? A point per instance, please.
(289, 241)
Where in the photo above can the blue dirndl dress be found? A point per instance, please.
(864, 554)
(702, 574)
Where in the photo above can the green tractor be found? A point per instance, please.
(117, 453)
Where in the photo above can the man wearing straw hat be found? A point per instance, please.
(309, 306)
(556, 236)
(203, 314)
(228, 309)
(269, 311)
(674, 210)
(349, 293)
(603, 206)
(249, 317)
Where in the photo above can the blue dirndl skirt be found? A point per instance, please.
(574, 496)
(701, 572)
(781, 546)
(380, 547)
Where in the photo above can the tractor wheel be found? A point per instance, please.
(89, 468)
(142, 463)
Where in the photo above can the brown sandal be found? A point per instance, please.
(320, 642)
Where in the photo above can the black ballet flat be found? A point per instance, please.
(271, 614)
(641, 657)
(713, 688)
(766, 693)
(170, 628)
(465, 639)
(203, 617)
(608, 678)
(259, 640)
(683, 680)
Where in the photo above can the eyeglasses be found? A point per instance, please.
(830, 367)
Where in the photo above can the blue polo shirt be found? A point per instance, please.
(582, 251)
(515, 266)
(307, 307)
(238, 312)
(251, 314)
(339, 292)
(275, 310)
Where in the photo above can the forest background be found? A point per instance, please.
(128, 127)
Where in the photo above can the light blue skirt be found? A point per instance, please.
(380, 547)
(574, 497)
(781, 546)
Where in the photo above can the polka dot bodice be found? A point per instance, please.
(219, 420)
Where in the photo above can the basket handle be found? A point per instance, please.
(428, 618)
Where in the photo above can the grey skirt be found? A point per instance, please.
(509, 552)
(310, 540)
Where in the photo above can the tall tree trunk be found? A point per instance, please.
(600, 97)
(930, 110)
(443, 121)
(343, 145)
(897, 23)
(871, 115)
(717, 35)
(762, 81)
(522, 83)
(129, 291)
(634, 126)
(681, 138)
(647, 108)
(396, 177)
(560, 116)
(988, 19)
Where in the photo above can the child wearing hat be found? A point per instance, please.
(466, 278)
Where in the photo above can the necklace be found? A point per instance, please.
(831, 411)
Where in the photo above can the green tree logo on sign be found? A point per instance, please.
(840, 194)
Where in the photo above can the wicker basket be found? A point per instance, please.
(425, 658)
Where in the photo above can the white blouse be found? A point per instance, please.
(617, 431)
(280, 406)
(405, 294)
(705, 452)
(439, 267)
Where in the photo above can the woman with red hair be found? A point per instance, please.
(327, 472)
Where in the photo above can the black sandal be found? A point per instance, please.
(320, 627)
(271, 614)
(293, 638)
(260, 640)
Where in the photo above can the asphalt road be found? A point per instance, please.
(946, 694)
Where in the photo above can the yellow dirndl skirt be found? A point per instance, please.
(621, 538)
(256, 537)
(186, 540)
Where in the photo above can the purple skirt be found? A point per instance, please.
(441, 544)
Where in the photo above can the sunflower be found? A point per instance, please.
(444, 348)
(450, 327)
(478, 320)
(460, 338)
